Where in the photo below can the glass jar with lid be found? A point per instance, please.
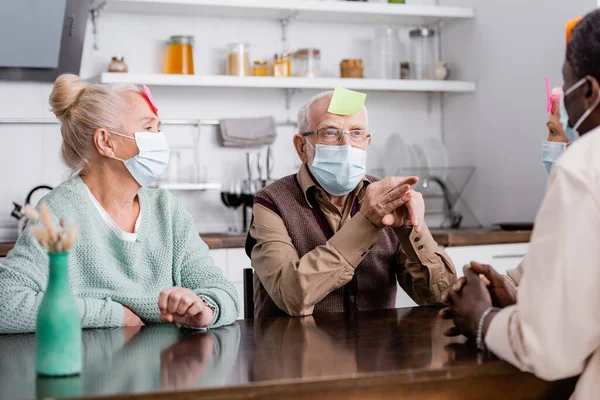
(423, 50)
(308, 63)
(261, 68)
(386, 51)
(179, 58)
(238, 59)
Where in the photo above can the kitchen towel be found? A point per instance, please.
(248, 132)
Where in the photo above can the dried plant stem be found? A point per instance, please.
(55, 238)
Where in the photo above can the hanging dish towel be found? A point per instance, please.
(248, 132)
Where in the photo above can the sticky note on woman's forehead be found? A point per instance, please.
(346, 102)
(148, 95)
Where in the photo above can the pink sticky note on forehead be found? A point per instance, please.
(549, 95)
(150, 99)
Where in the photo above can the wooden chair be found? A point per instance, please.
(248, 293)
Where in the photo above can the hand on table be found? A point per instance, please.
(130, 319)
(384, 201)
(183, 306)
(503, 293)
(466, 306)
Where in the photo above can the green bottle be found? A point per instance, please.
(58, 325)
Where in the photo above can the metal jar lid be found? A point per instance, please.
(422, 32)
(181, 39)
(306, 52)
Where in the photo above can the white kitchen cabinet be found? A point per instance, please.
(237, 261)
(233, 262)
(219, 256)
(500, 256)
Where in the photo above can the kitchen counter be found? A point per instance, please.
(477, 237)
(447, 238)
(384, 354)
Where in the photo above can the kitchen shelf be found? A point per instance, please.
(392, 85)
(189, 186)
(307, 10)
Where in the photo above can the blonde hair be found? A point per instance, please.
(304, 116)
(82, 108)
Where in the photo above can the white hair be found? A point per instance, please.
(304, 116)
(82, 108)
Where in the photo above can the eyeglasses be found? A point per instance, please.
(333, 136)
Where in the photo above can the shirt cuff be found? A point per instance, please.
(418, 246)
(497, 337)
(117, 314)
(354, 240)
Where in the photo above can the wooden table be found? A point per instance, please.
(371, 355)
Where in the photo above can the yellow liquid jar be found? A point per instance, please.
(179, 57)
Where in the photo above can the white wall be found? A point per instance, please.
(509, 50)
(29, 155)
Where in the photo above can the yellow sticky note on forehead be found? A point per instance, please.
(346, 102)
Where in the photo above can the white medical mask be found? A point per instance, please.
(551, 151)
(570, 133)
(588, 111)
(153, 157)
(338, 169)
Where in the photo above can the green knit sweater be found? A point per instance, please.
(106, 272)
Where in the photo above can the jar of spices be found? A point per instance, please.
(309, 62)
(352, 68)
(282, 64)
(179, 58)
(238, 59)
(405, 70)
(117, 65)
(261, 68)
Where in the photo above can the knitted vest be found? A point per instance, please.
(374, 283)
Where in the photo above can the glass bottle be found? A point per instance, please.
(386, 54)
(282, 64)
(58, 323)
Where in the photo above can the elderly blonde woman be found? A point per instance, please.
(137, 259)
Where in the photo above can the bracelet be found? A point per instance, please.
(480, 341)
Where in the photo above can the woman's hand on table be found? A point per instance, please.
(183, 306)
(130, 319)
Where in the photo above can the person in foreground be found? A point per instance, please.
(560, 137)
(552, 330)
(330, 239)
(138, 258)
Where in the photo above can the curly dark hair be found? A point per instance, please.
(583, 49)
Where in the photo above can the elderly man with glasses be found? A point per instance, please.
(331, 239)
